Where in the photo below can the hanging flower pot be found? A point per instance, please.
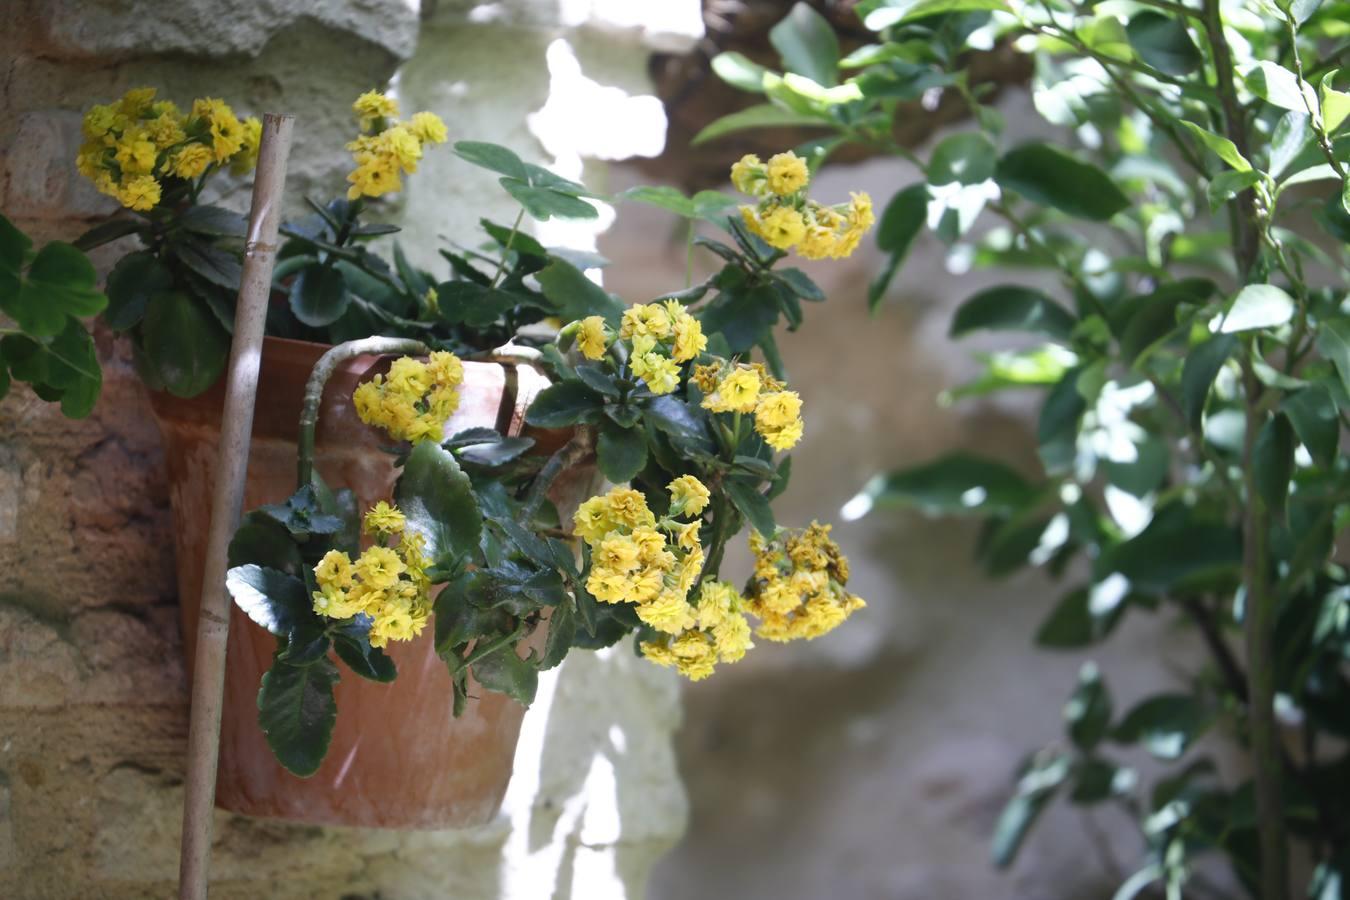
(398, 757)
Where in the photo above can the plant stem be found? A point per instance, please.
(1235, 130)
(506, 250)
(689, 255)
(567, 456)
(323, 370)
(1319, 126)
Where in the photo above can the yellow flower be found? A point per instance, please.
(396, 622)
(646, 320)
(97, 121)
(695, 655)
(628, 507)
(787, 173)
(731, 638)
(335, 569)
(136, 154)
(375, 177)
(374, 105)
(860, 215)
(617, 553)
(409, 376)
(247, 157)
(428, 128)
(706, 377)
(189, 161)
(445, 369)
(752, 220)
(140, 192)
(591, 521)
(782, 227)
(690, 340)
(402, 145)
(658, 652)
(738, 392)
(784, 438)
(167, 130)
(136, 101)
(379, 567)
(415, 400)
(384, 519)
(593, 337)
(799, 587)
(668, 611)
(661, 375)
(688, 496)
(227, 132)
(335, 603)
(747, 174)
(817, 243)
(777, 409)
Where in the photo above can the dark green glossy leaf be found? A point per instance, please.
(621, 452)
(496, 453)
(544, 203)
(505, 672)
(1163, 42)
(752, 504)
(563, 404)
(1273, 462)
(1312, 412)
(562, 632)
(1179, 548)
(1037, 785)
(296, 712)
(1013, 308)
(965, 158)
(900, 223)
(182, 343)
(269, 597)
(213, 221)
(957, 483)
(319, 295)
(1077, 622)
(437, 499)
(1088, 712)
(352, 643)
(1198, 372)
(131, 283)
(1166, 724)
(575, 296)
(1046, 175)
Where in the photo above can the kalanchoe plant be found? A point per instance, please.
(1195, 371)
(471, 547)
(45, 294)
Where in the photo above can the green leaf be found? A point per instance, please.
(1046, 175)
(739, 72)
(437, 499)
(505, 672)
(1038, 784)
(687, 429)
(954, 484)
(1228, 184)
(269, 597)
(319, 295)
(562, 632)
(902, 221)
(1335, 104)
(1166, 724)
(1088, 712)
(182, 343)
(1280, 87)
(214, 265)
(1076, 621)
(260, 540)
(752, 504)
(1312, 412)
(966, 158)
(61, 282)
(545, 203)
(213, 221)
(296, 711)
(1149, 318)
(1221, 146)
(764, 115)
(14, 247)
(563, 404)
(1198, 372)
(1013, 308)
(1273, 463)
(352, 644)
(807, 44)
(1333, 342)
(879, 14)
(1178, 549)
(1163, 42)
(576, 296)
(621, 452)
(492, 156)
(496, 453)
(1290, 137)
(1257, 306)
(131, 283)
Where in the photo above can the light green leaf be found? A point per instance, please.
(1280, 87)
(807, 44)
(1257, 306)
(879, 14)
(544, 203)
(966, 158)
(1335, 104)
(765, 115)
(576, 296)
(1221, 146)
(739, 71)
(492, 156)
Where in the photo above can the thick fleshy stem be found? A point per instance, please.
(568, 456)
(318, 377)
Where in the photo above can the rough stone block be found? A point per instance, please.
(39, 166)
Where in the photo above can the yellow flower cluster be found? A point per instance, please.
(386, 147)
(387, 582)
(749, 388)
(785, 217)
(798, 589)
(637, 559)
(662, 337)
(416, 399)
(720, 633)
(132, 144)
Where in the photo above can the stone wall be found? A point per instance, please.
(92, 685)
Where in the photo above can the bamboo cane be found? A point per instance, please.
(241, 388)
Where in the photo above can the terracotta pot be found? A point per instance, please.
(398, 758)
